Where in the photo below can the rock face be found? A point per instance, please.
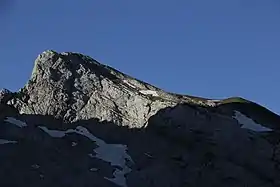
(80, 123)
(75, 87)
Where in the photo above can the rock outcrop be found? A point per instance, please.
(76, 87)
(77, 122)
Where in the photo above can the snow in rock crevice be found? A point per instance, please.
(3, 141)
(149, 92)
(129, 84)
(16, 122)
(212, 102)
(248, 123)
(115, 154)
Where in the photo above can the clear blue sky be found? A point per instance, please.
(213, 49)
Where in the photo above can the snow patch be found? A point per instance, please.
(212, 102)
(2, 141)
(129, 84)
(74, 144)
(115, 154)
(93, 169)
(53, 133)
(15, 122)
(248, 123)
(35, 166)
(149, 92)
(119, 178)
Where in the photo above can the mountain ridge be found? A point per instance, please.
(190, 98)
(77, 122)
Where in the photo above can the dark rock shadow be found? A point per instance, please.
(38, 159)
(218, 152)
(182, 146)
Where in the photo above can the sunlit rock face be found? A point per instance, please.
(78, 122)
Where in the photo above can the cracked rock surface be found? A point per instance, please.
(81, 123)
(75, 87)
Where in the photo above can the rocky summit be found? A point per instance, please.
(79, 123)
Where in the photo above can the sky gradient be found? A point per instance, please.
(213, 49)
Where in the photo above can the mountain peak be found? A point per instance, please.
(72, 104)
(74, 86)
(51, 62)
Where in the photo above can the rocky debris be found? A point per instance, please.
(81, 123)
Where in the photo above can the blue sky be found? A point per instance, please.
(213, 49)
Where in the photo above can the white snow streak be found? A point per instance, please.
(149, 92)
(119, 176)
(54, 133)
(212, 102)
(129, 84)
(74, 144)
(16, 122)
(35, 166)
(248, 123)
(112, 153)
(93, 169)
(2, 141)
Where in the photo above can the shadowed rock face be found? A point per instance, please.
(80, 123)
